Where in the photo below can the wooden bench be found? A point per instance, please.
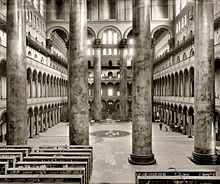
(55, 164)
(19, 154)
(60, 159)
(25, 151)
(65, 149)
(3, 168)
(45, 170)
(51, 178)
(178, 179)
(174, 172)
(10, 159)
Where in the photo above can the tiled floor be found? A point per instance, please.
(111, 154)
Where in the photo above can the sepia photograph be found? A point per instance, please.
(110, 91)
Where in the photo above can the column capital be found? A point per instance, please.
(123, 43)
(97, 44)
(171, 42)
(49, 43)
(67, 44)
(152, 42)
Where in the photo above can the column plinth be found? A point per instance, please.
(204, 100)
(97, 101)
(142, 86)
(78, 75)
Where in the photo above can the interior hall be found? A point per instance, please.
(110, 91)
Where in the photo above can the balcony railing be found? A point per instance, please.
(175, 99)
(34, 43)
(36, 101)
(189, 40)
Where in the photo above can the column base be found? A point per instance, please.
(203, 159)
(123, 121)
(142, 160)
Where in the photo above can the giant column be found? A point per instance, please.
(78, 75)
(142, 86)
(16, 74)
(204, 101)
(123, 79)
(97, 45)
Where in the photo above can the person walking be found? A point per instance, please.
(160, 125)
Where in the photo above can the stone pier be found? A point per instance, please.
(204, 101)
(97, 101)
(16, 74)
(123, 79)
(78, 75)
(142, 86)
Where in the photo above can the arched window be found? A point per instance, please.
(131, 52)
(29, 54)
(110, 37)
(110, 92)
(89, 52)
(110, 74)
(104, 38)
(110, 63)
(191, 52)
(178, 59)
(115, 38)
(115, 51)
(89, 63)
(104, 51)
(184, 56)
(109, 52)
(89, 42)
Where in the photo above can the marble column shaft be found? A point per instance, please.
(142, 86)
(78, 75)
(97, 101)
(204, 134)
(123, 79)
(16, 73)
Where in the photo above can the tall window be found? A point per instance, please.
(177, 7)
(109, 37)
(59, 9)
(110, 42)
(110, 92)
(115, 38)
(104, 38)
(42, 7)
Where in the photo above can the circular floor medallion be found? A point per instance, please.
(110, 133)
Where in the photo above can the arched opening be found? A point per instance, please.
(110, 109)
(217, 78)
(110, 74)
(191, 82)
(3, 80)
(161, 41)
(3, 127)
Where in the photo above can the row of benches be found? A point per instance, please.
(51, 164)
(199, 176)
